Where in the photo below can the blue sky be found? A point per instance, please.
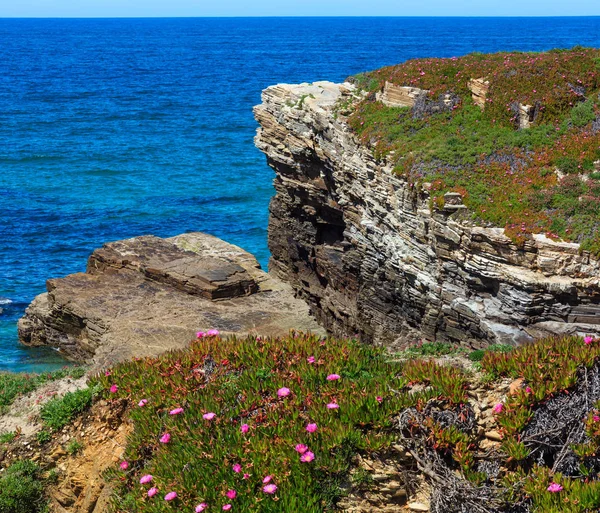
(143, 8)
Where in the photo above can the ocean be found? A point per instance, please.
(112, 128)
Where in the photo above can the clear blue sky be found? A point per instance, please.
(160, 8)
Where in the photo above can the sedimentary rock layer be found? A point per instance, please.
(146, 295)
(371, 256)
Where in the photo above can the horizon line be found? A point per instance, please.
(510, 16)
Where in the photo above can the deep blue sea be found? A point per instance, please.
(116, 128)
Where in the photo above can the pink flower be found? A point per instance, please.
(146, 479)
(379, 399)
(113, 389)
(283, 392)
(226, 507)
(209, 416)
(152, 492)
(498, 408)
(143, 403)
(107, 373)
(333, 377)
(311, 428)
(212, 333)
(333, 406)
(528, 390)
(245, 428)
(301, 448)
(588, 340)
(124, 465)
(311, 359)
(245, 476)
(267, 479)
(231, 494)
(176, 411)
(596, 418)
(554, 488)
(200, 334)
(307, 457)
(201, 507)
(270, 488)
(237, 468)
(165, 439)
(170, 496)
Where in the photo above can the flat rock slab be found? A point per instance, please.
(146, 295)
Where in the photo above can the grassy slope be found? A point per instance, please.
(507, 176)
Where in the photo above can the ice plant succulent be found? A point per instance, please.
(270, 488)
(146, 479)
(114, 389)
(124, 465)
(176, 411)
(555, 487)
(209, 416)
(333, 377)
(143, 403)
(283, 392)
(307, 457)
(311, 428)
(201, 507)
(171, 496)
(244, 428)
(165, 438)
(152, 492)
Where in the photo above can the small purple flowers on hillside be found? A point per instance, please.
(113, 389)
(555, 487)
(176, 411)
(200, 334)
(283, 392)
(124, 465)
(498, 408)
(244, 428)
(379, 399)
(143, 403)
(201, 507)
(231, 494)
(146, 479)
(311, 428)
(588, 340)
(237, 468)
(333, 377)
(152, 492)
(307, 457)
(226, 507)
(311, 359)
(170, 496)
(209, 416)
(267, 479)
(270, 488)
(212, 333)
(333, 406)
(165, 439)
(301, 448)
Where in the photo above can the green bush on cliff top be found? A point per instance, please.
(506, 176)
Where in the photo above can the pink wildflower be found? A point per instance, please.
(146, 479)
(212, 333)
(107, 373)
(311, 428)
(554, 487)
(301, 448)
(283, 392)
(596, 418)
(152, 492)
(124, 465)
(333, 377)
(498, 408)
(113, 389)
(588, 340)
(245, 428)
(231, 494)
(176, 411)
(201, 507)
(170, 496)
(528, 390)
(267, 479)
(270, 488)
(245, 476)
(379, 399)
(226, 507)
(209, 416)
(333, 406)
(143, 403)
(307, 457)
(237, 468)
(200, 334)
(311, 359)
(165, 439)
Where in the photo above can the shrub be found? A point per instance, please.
(59, 411)
(21, 490)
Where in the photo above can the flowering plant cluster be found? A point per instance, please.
(543, 179)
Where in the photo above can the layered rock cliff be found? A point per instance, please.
(371, 256)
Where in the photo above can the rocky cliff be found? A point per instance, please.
(143, 296)
(370, 254)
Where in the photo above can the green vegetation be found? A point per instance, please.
(21, 489)
(6, 438)
(15, 385)
(74, 447)
(506, 175)
(43, 436)
(59, 411)
(431, 349)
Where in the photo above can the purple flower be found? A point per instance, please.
(311, 359)
(143, 402)
(311, 428)
(307, 457)
(113, 389)
(124, 465)
(152, 492)
(498, 408)
(146, 479)
(176, 411)
(588, 340)
(244, 428)
(209, 416)
(554, 488)
(165, 439)
(270, 488)
(333, 406)
(170, 496)
(283, 392)
(333, 377)
(212, 333)
(201, 507)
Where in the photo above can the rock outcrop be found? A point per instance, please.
(146, 295)
(371, 256)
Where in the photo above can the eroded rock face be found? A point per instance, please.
(364, 249)
(142, 296)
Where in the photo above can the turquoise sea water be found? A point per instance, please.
(116, 128)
